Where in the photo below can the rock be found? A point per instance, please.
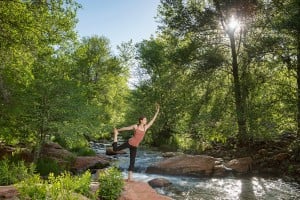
(262, 152)
(56, 152)
(23, 153)
(171, 154)
(139, 190)
(110, 152)
(221, 170)
(83, 163)
(281, 157)
(219, 161)
(159, 182)
(8, 192)
(6, 150)
(241, 165)
(184, 165)
(168, 154)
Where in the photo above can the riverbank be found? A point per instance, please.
(133, 190)
(277, 158)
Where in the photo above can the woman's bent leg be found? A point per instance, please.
(121, 147)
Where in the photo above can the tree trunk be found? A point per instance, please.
(239, 103)
(4, 92)
(298, 84)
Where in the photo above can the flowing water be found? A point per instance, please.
(226, 188)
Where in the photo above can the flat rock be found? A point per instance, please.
(159, 182)
(8, 192)
(140, 191)
(189, 165)
(83, 163)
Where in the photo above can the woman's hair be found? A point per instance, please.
(141, 118)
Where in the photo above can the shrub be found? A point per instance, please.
(84, 151)
(64, 187)
(111, 184)
(46, 166)
(12, 172)
(32, 188)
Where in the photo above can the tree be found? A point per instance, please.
(210, 22)
(30, 33)
(286, 20)
(103, 81)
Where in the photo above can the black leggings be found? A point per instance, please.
(132, 152)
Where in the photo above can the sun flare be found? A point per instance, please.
(233, 23)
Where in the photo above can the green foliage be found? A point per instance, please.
(84, 151)
(45, 166)
(51, 84)
(189, 68)
(64, 187)
(13, 172)
(111, 184)
(32, 188)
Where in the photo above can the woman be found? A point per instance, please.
(139, 133)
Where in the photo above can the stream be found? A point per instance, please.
(188, 188)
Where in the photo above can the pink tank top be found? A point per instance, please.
(137, 138)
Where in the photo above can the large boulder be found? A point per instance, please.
(18, 151)
(189, 165)
(8, 192)
(159, 182)
(111, 152)
(82, 163)
(240, 165)
(77, 164)
(56, 152)
(139, 190)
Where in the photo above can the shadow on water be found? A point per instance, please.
(247, 192)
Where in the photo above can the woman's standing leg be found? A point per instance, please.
(133, 151)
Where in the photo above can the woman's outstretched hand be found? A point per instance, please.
(157, 106)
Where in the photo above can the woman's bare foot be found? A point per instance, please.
(116, 135)
(129, 179)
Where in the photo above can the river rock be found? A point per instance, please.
(111, 152)
(281, 157)
(83, 163)
(171, 154)
(189, 165)
(159, 182)
(139, 191)
(56, 152)
(8, 192)
(240, 165)
(221, 171)
(23, 153)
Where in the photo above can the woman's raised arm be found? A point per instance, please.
(153, 118)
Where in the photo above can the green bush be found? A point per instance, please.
(111, 184)
(32, 188)
(65, 185)
(13, 172)
(84, 151)
(46, 166)
(62, 187)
